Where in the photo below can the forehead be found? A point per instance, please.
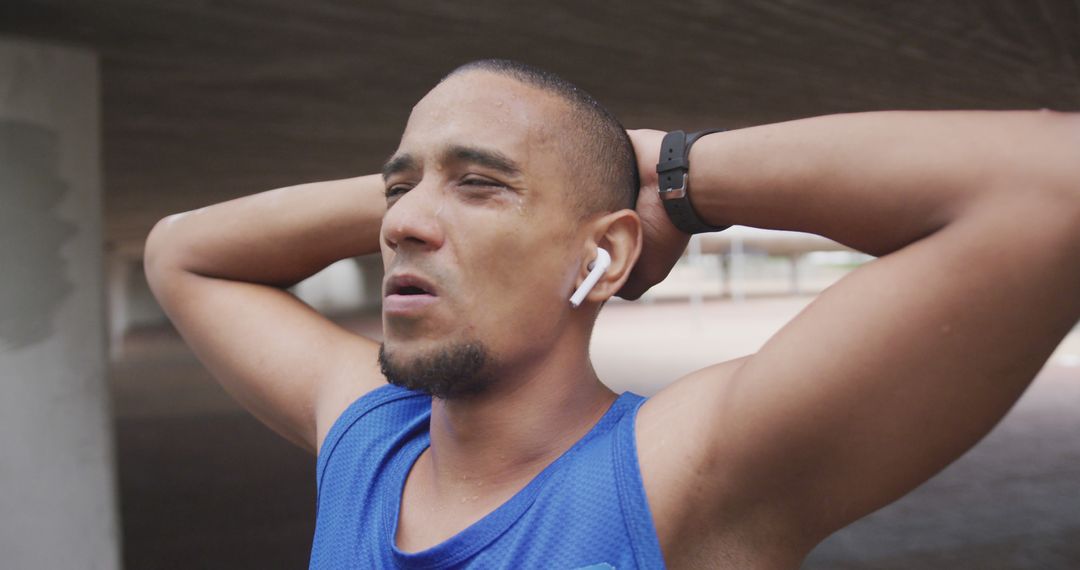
(480, 109)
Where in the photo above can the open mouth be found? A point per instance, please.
(409, 286)
(411, 290)
(408, 295)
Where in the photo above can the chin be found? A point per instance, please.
(447, 371)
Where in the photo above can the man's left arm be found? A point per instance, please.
(906, 363)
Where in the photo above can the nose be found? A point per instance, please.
(412, 221)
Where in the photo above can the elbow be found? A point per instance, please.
(160, 250)
(1069, 185)
(1037, 183)
(1062, 152)
(1052, 176)
(1074, 155)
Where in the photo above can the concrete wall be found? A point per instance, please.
(57, 488)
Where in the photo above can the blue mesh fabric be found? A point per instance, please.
(585, 510)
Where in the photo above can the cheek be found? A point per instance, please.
(524, 289)
(516, 276)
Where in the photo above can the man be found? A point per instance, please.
(498, 446)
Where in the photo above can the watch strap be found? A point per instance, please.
(673, 173)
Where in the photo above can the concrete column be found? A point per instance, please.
(57, 482)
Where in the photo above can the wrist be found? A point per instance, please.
(674, 168)
(707, 197)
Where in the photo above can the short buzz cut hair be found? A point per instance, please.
(598, 148)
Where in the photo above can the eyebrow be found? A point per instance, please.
(487, 158)
(398, 163)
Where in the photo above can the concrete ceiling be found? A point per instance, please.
(206, 100)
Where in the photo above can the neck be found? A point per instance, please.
(506, 436)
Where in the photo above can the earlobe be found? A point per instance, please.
(596, 270)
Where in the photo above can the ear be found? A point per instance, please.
(620, 234)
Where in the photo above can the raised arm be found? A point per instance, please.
(906, 363)
(220, 273)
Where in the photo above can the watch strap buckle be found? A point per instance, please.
(674, 161)
(675, 192)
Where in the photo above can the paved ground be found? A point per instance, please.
(203, 485)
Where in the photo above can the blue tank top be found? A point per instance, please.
(587, 510)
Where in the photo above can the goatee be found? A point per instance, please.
(455, 371)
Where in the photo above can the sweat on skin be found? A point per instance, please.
(732, 457)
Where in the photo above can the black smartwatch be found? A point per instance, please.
(673, 171)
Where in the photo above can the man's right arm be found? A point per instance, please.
(220, 274)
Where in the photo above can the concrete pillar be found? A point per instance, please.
(57, 482)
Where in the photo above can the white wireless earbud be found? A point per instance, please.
(596, 269)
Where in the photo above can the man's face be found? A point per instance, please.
(479, 242)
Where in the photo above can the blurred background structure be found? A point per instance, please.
(204, 101)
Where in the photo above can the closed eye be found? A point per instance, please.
(396, 190)
(476, 181)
